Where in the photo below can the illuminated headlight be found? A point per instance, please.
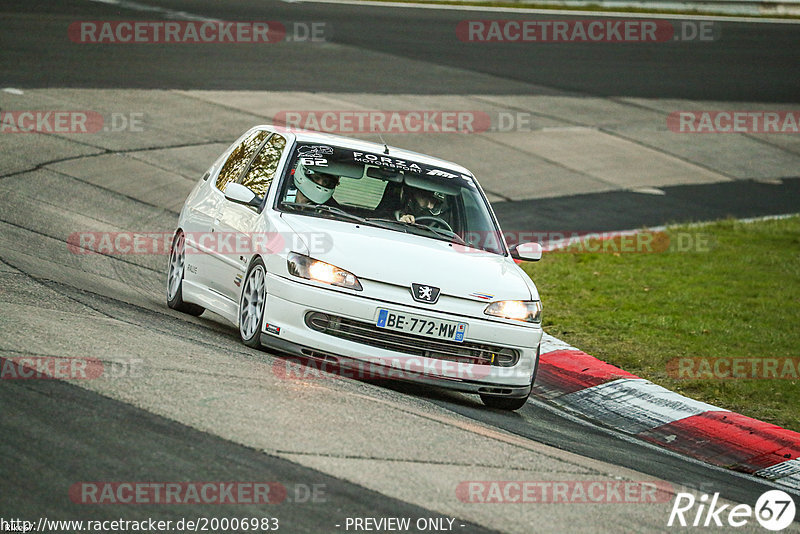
(319, 271)
(529, 311)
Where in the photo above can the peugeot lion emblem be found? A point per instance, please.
(423, 293)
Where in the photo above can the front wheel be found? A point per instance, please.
(177, 257)
(252, 304)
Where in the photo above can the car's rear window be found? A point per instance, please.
(360, 193)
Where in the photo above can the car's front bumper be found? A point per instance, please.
(288, 302)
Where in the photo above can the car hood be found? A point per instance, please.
(403, 258)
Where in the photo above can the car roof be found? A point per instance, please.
(311, 136)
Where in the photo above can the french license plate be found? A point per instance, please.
(422, 326)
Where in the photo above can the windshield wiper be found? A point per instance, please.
(444, 233)
(451, 236)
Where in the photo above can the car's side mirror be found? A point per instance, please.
(241, 195)
(527, 251)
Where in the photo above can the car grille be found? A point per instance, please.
(369, 334)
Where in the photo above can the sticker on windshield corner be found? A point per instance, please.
(443, 174)
(314, 151)
(314, 162)
(386, 161)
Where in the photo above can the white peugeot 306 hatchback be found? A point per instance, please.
(370, 257)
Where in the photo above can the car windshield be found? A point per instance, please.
(392, 193)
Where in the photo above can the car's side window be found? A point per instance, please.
(262, 171)
(239, 159)
(478, 224)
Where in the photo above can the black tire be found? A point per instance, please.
(252, 303)
(512, 403)
(175, 278)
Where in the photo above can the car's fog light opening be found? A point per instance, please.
(317, 321)
(505, 358)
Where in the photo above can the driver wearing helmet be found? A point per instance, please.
(313, 186)
(419, 203)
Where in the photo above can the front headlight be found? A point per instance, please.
(529, 311)
(319, 271)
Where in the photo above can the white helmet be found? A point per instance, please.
(303, 179)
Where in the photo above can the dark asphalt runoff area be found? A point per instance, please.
(629, 210)
(56, 435)
(747, 62)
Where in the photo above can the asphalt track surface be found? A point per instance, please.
(54, 434)
(680, 204)
(97, 432)
(746, 63)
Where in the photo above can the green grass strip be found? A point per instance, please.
(726, 290)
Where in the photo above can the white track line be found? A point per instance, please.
(576, 13)
(163, 11)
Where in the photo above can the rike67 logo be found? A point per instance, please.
(774, 510)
